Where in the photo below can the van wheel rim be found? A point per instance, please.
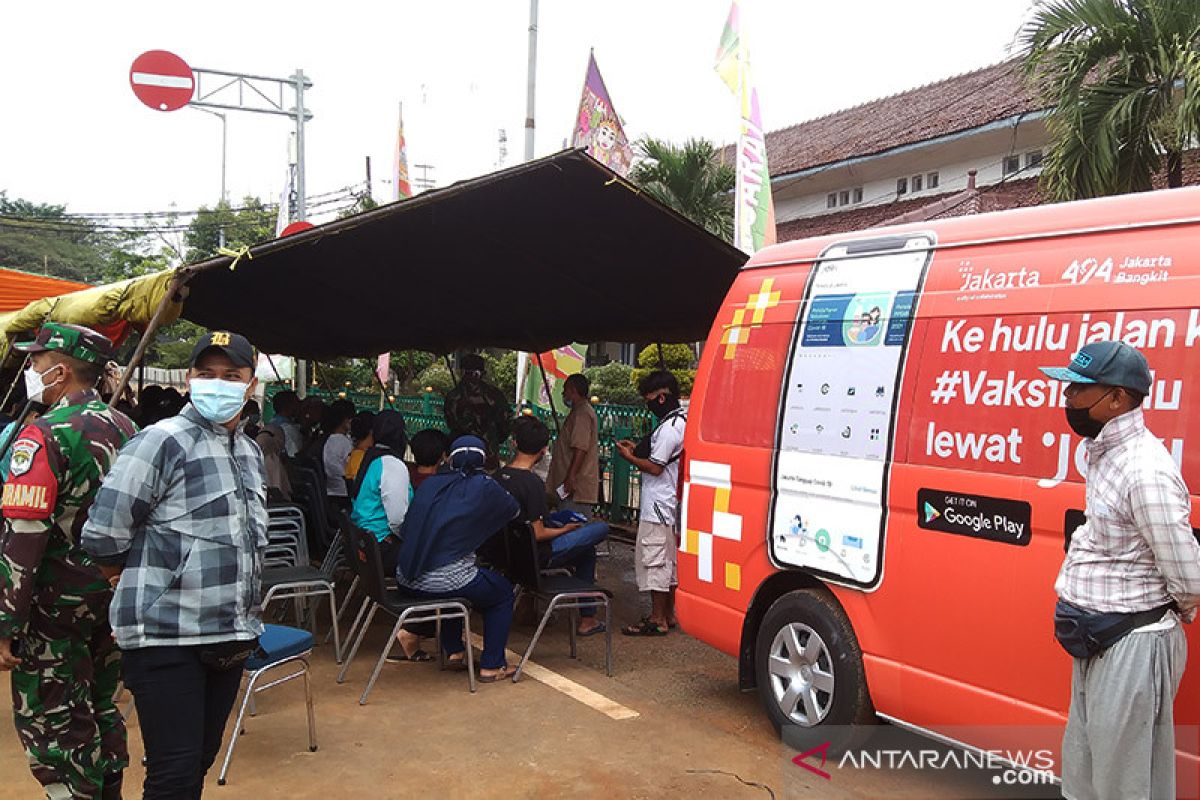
(801, 671)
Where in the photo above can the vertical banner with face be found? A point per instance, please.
(598, 128)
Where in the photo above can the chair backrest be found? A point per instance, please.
(364, 552)
(523, 565)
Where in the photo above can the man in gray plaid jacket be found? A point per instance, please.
(179, 525)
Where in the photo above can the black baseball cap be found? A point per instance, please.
(1106, 363)
(235, 346)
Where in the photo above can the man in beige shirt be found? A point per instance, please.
(575, 464)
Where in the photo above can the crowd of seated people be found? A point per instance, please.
(429, 503)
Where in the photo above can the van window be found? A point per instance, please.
(749, 346)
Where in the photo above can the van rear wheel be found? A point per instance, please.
(808, 664)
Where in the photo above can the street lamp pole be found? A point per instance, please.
(224, 150)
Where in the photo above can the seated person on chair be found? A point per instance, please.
(381, 498)
(559, 545)
(335, 452)
(430, 449)
(360, 435)
(453, 514)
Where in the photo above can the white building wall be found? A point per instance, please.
(807, 196)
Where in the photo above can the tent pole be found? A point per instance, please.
(16, 429)
(141, 378)
(450, 369)
(382, 392)
(8, 345)
(549, 394)
(148, 336)
(662, 362)
(13, 385)
(274, 369)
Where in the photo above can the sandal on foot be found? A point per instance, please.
(645, 627)
(506, 672)
(600, 628)
(418, 657)
(671, 624)
(456, 664)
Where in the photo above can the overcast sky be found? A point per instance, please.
(74, 133)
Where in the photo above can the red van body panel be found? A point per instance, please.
(957, 630)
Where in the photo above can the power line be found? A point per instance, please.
(352, 189)
(70, 225)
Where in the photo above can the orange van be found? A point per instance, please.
(880, 484)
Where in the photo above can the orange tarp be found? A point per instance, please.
(19, 289)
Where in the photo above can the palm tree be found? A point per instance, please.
(1123, 80)
(692, 179)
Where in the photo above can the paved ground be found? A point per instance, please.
(694, 733)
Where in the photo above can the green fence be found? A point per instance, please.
(620, 494)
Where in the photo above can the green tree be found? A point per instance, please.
(1122, 78)
(679, 359)
(691, 179)
(437, 376)
(250, 224)
(611, 383)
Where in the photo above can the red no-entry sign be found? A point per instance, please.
(162, 80)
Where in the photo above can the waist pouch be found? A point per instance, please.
(228, 655)
(1084, 634)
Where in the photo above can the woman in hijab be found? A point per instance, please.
(451, 516)
(381, 498)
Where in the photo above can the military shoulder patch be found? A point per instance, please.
(23, 451)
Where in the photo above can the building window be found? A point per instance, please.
(902, 186)
(858, 195)
(917, 182)
(1033, 159)
(844, 198)
(831, 200)
(1012, 164)
(931, 180)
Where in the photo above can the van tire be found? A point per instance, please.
(819, 702)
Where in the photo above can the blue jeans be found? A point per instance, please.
(491, 594)
(578, 549)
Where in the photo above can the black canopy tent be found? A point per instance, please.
(529, 258)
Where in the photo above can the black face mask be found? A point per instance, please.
(1081, 420)
(661, 406)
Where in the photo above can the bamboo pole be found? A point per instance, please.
(177, 283)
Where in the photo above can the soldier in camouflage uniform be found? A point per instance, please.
(54, 630)
(476, 408)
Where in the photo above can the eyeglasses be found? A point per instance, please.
(472, 373)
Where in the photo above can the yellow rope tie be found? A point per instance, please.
(236, 255)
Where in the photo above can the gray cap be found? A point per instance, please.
(1107, 363)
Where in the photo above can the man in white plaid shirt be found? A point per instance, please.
(1132, 571)
(179, 524)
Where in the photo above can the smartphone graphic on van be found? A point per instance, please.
(833, 446)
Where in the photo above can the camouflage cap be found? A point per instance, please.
(75, 341)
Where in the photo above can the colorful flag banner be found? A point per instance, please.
(382, 367)
(285, 202)
(754, 210)
(598, 128)
(560, 363)
(401, 187)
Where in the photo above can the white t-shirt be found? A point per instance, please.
(336, 453)
(659, 492)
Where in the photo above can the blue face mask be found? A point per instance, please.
(217, 400)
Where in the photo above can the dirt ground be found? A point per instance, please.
(676, 726)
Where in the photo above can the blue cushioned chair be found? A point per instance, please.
(277, 647)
